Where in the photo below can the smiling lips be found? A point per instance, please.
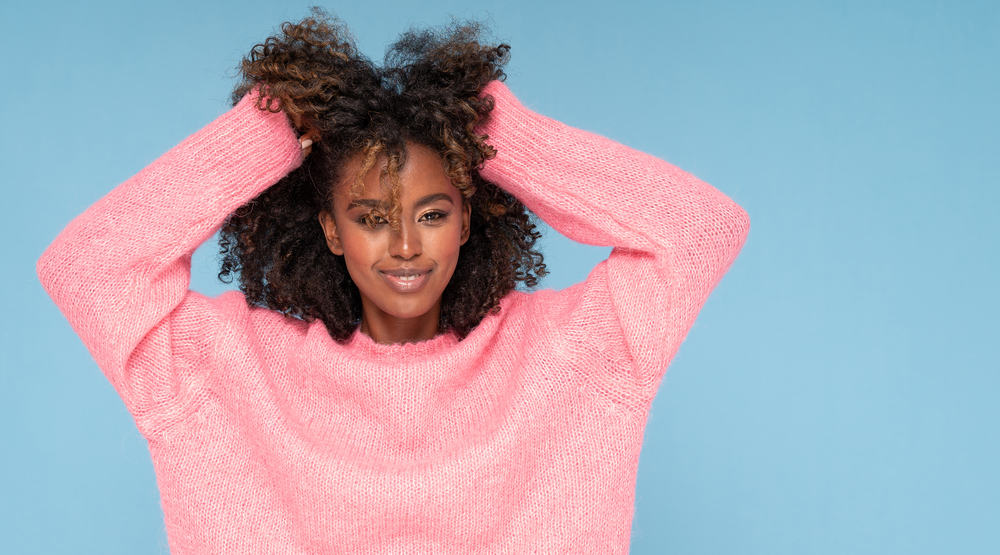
(405, 280)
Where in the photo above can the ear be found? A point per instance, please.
(466, 217)
(329, 225)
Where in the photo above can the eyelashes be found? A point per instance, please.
(373, 220)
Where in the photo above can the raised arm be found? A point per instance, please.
(674, 236)
(120, 271)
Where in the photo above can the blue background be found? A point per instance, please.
(837, 392)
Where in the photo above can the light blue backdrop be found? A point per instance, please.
(836, 394)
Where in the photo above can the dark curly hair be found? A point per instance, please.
(426, 92)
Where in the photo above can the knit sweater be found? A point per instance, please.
(267, 436)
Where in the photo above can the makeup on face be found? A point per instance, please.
(401, 273)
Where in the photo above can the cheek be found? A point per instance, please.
(360, 251)
(449, 243)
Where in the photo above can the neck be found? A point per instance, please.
(383, 328)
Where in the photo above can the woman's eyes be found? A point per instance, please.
(373, 221)
(440, 215)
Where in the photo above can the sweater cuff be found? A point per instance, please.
(258, 143)
(514, 131)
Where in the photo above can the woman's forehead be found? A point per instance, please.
(422, 174)
(410, 192)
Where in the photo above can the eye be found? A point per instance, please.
(434, 216)
(371, 220)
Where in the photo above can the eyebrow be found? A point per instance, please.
(425, 200)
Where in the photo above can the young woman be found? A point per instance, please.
(379, 384)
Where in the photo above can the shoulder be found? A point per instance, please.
(577, 330)
(581, 303)
(584, 309)
(237, 316)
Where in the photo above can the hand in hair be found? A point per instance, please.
(308, 134)
(306, 143)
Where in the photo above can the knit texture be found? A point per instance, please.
(267, 436)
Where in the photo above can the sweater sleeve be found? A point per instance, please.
(120, 271)
(673, 235)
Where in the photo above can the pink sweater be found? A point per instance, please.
(267, 436)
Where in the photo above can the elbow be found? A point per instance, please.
(44, 265)
(53, 265)
(737, 224)
(742, 224)
(727, 234)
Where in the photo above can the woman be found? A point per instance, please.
(378, 384)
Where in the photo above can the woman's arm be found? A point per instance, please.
(674, 236)
(120, 271)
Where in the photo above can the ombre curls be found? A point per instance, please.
(427, 91)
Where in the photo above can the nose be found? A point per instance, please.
(405, 243)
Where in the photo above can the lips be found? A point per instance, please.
(405, 272)
(405, 280)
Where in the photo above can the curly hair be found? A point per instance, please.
(426, 92)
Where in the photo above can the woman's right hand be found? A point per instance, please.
(306, 143)
(309, 134)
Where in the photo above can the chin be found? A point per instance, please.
(407, 311)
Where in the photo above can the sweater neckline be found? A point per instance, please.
(362, 343)
(362, 348)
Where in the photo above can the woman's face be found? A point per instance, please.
(400, 274)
